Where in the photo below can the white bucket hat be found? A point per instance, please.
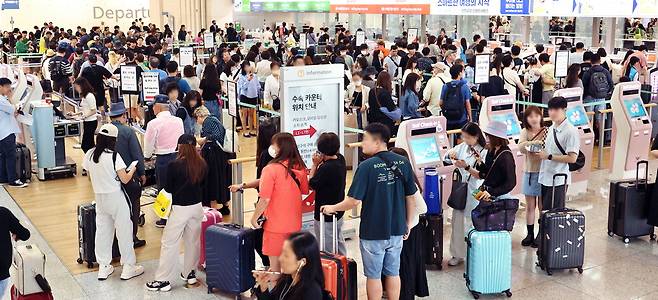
(497, 129)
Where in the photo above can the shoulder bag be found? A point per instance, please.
(459, 191)
(580, 161)
(395, 115)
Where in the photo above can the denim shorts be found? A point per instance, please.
(381, 257)
(531, 186)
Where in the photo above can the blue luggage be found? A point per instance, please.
(488, 262)
(230, 258)
(432, 191)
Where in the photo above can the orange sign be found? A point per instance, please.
(391, 9)
(651, 58)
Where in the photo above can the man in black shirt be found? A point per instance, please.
(10, 228)
(328, 180)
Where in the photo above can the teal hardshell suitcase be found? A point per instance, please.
(488, 262)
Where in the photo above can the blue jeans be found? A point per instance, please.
(213, 107)
(161, 163)
(3, 286)
(8, 159)
(598, 121)
(381, 257)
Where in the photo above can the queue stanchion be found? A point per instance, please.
(237, 205)
(601, 122)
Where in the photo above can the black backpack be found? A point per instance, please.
(453, 103)
(167, 81)
(598, 85)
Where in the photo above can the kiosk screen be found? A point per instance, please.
(513, 127)
(425, 150)
(577, 116)
(635, 108)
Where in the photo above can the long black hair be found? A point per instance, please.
(103, 143)
(631, 62)
(572, 75)
(211, 75)
(85, 86)
(266, 130)
(473, 129)
(306, 247)
(410, 83)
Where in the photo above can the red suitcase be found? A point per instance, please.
(211, 216)
(339, 271)
(38, 296)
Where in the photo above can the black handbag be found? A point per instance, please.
(497, 215)
(580, 161)
(459, 191)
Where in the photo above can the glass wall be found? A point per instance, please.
(394, 25)
(539, 30)
(436, 23)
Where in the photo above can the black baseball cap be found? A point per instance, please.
(557, 103)
(5, 81)
(187, 139)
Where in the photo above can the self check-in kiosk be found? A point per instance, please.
(577, 116)
(503, 109)
(631, 130)
(427, 142)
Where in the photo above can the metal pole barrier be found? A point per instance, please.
(601, 122)
(355, 163)
(237, 203)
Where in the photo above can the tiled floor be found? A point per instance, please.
(613, 270)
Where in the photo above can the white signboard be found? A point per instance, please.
(129, 79)
(482, 65)
(412, 35)
(312, 104)
(186, 56)
(561, 63)
(208, 40)
(303, 41)
(232, 96)
(360, 38)
(150, 85)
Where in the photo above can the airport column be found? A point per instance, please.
(525, 29)
(384, 30)
(610, 28)
(423, 28)
(596, 26)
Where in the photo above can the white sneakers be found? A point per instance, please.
(105, 271)
(129, 272)
(455, 261)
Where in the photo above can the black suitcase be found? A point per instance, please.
(561, 239)
(230, 258)
(627, 208)
(87, 235)
(23, 163)
(432, 230)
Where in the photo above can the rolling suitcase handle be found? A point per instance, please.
(646, 174)
(334, 229)
(553, 190)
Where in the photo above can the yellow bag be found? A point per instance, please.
(162, 204)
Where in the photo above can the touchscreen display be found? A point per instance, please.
(513, 127)
(635, 108)
(425, 150)
(577, 116)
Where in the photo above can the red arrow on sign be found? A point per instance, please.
(301, 132)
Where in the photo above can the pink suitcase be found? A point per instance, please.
(211, 216)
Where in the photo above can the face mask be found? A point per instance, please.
(271, 151)
(357, 83)
(276, 72)
(364, 52)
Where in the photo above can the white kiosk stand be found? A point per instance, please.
(631, 130)
(503, 109)
(577, 116)
(426, 141)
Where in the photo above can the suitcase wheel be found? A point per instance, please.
(549, 272)
(508, 293)
(476, 295)
(610, 234)
(580, 270)
(80, 261)
(627, 240)
(90, 265)
(652, 237)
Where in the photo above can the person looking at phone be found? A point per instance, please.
(184, 223)
(281, 186)
(327, 179)
(531, 140)
(465, 156)
(301, 274)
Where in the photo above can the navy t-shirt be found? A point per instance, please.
(382, 195)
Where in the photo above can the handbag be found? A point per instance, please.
(496, 215)
(395, 115)
(580, 161)
(459, 191)
(162, 204)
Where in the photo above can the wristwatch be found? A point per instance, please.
(467, 167)
(550, 157)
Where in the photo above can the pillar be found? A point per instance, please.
(384, 28)
(610, 30)
(423, 28)
(595, 32)
(525, 29)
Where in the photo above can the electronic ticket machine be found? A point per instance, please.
(427, 142)
(577, 116)
(503, 109)
(631, 130)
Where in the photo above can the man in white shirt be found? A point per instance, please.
(562, 146)
(161, 139)
(263, 67)
(392, 62)
(432, 91)
(272, 90)
(577, 57)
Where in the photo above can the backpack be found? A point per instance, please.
(453, 103)
(495, 87)
(169, 80)
(598, 85)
